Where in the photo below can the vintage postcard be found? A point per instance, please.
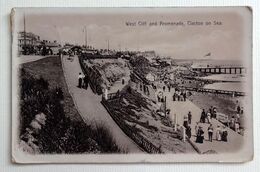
(132, 85)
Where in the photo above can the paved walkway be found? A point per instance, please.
(90, 107)
(182, 108)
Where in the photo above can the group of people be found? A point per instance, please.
(83, 81)
(221, 133)
(236, 121)
(168, 86)
(234, 124)
(207, 116)
(179, 95)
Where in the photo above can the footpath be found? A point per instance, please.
(181, 108)
(90, 107)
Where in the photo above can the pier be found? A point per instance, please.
(221, 70)
(215, 91)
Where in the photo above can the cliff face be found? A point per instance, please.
(104, 73)
(138, 117)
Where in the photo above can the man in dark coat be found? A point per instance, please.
(184, 96)
(189, 117)
(86, 80)
(203, 116)
(188, 132)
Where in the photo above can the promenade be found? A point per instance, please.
(90, 108)
(181, 108)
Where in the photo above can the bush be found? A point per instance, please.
(104, 138)
(58, 134)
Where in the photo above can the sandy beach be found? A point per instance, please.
(225, 104)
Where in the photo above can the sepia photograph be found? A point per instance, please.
(132, 85)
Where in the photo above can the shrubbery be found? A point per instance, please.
(58, 134)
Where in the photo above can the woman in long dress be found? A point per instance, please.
(209, 117)
(200, 135)
(218, 133)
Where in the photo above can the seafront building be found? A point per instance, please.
(27, 38)
(31, 40)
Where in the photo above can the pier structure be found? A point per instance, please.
(215, 91)
(221, 70)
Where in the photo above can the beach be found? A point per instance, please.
(225, 104)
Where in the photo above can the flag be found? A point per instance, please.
(209, 54)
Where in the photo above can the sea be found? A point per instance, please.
(237, 81)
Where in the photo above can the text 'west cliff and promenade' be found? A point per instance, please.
(173, 23)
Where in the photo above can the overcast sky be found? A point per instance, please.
(227, 41)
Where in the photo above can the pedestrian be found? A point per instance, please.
(211, 110)
(237, 117)
(214, 112)
(163, 88)
(196, 128)
(210, 132)
(242, 111)
(181, 95)
(185, 121)
(224, 134)
(86, 80)
(169, 88)
(174, 97)
(202, 116)
(80, 80)
(209, 117)
(218, 133)
(189, 117)
(238, 109)
(200, 135)
(237, 127)
(232, 123)
(188, 132)
(184, 95)
(147, 91)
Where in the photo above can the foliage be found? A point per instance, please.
(59, 134)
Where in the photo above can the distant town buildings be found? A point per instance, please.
(30, 43)
(27, 38)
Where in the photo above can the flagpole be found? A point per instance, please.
(24, 29)
(86, 36)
